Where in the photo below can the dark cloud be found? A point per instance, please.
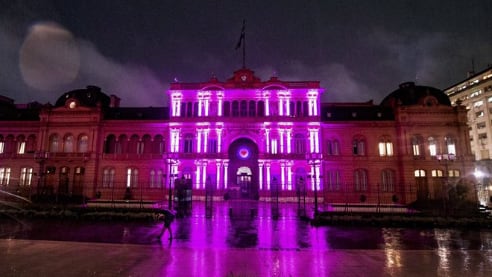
(359, 50)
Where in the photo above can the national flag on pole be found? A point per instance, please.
(241, 37)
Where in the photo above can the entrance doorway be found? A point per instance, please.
(244, 181)
(243, 164)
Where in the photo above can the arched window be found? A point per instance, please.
(298, 108)
(299, 144)
(188, 143)
(335, 147)
(31, 144)
(156, 180)
(432, 146)
(189, 109)
(332, 147)
(387, 180)
(122, 144)
(360, 179)
(261, 108)
(54, 141)
(21, 144)
(84, 143)
(292, 106)
(131, 177)
(108, 177)
(252, 108)
(227, 108)
(359, 146)
(10, 144)
(146, 144)
(333, 181)
(305, 108)
(417, 146)
(158, 144)
(195, 109)
(183, 109)
(385, 146)
(134, 145)
(68, 144)
(110, 144)
(235, 108)
(2, 144)
(244, 108)
(450, 145)
(152, 178)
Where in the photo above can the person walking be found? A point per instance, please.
(168, 219)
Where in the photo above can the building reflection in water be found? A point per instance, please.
(392, 247)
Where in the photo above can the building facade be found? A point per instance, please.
(475, 93)
(239, 138)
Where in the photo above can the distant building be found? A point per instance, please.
(475, 93)
(239, 138)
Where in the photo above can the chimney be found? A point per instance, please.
(114, 101)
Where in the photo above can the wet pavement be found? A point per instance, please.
(239, 239)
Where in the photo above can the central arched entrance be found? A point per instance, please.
(243, 169)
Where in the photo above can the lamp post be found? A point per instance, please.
(314, 159)
(40, 157)
(171, 158)
(446, 159)
(479, 181)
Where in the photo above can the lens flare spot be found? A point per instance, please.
(49, 56)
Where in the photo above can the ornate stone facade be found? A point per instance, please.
(243, 138)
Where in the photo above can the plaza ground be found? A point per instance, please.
(234, 241)
(54, 258)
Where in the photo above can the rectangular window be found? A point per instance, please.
(212, 146)
(436, 173)
(26, 176)
(478, 104)
(333, 181)
(385, 149)
(481, 125)
(382, 149)
(274, 146)
(4, 176)
(131, 178)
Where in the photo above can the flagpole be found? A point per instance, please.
(244, 47)
(242, 42)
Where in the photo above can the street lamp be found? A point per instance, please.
(314, 159)
(479, 176)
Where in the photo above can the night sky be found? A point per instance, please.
(359, 49)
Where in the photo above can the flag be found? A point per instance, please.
(241, 37)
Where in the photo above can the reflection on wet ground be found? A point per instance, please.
(248, 225)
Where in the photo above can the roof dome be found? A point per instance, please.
(91, 96)
(408, 94)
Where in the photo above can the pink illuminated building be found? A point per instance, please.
(239, 138)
